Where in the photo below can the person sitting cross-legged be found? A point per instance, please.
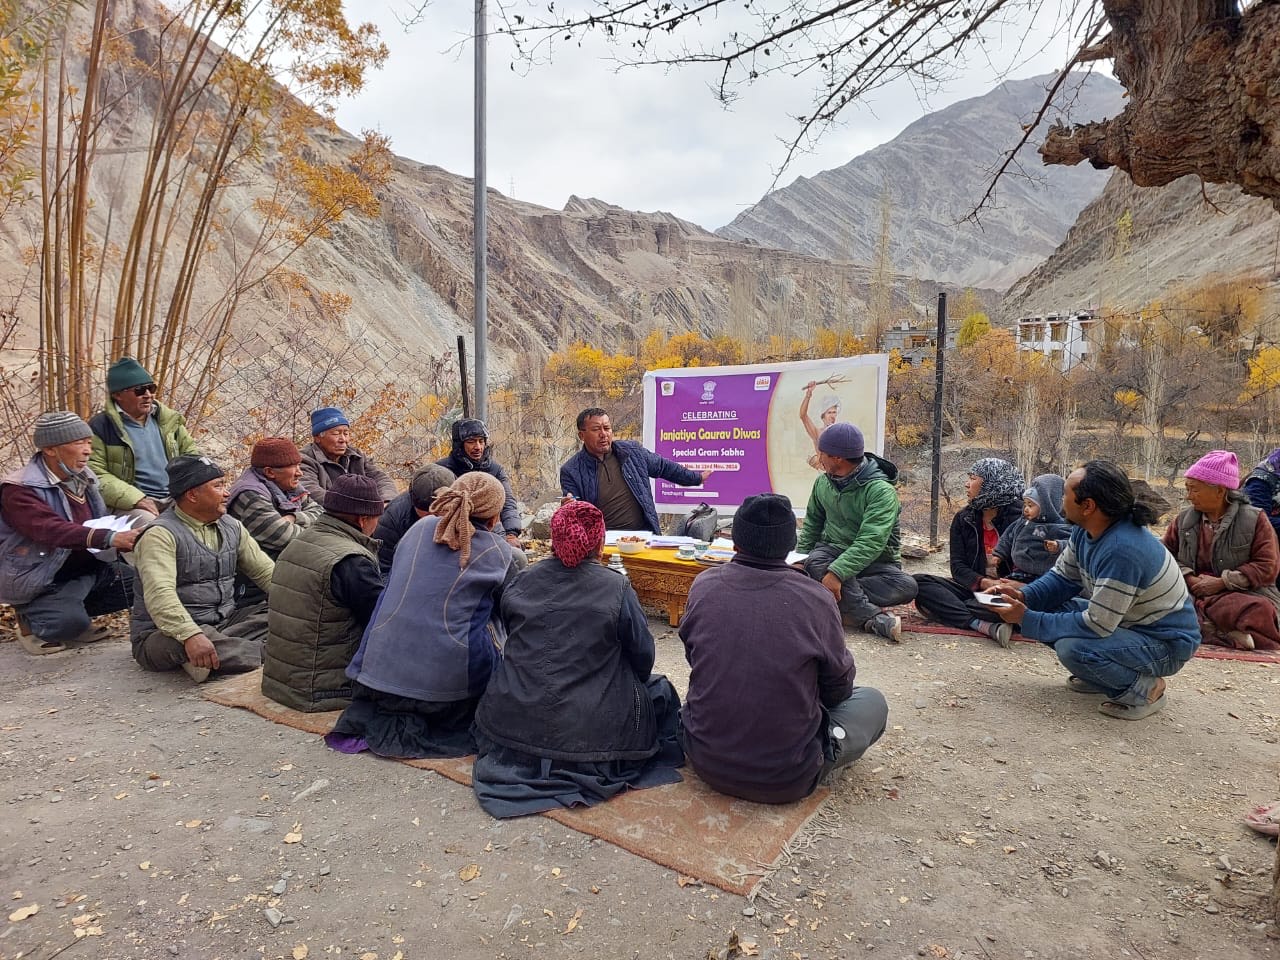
(49, 570)
(323, 591)
(435, 635)
(573, 714)
(271, 502)
(851, 533)
(1227, 552)
(184, 612)
(1114, 607)
(759, 632)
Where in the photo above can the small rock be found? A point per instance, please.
(279, 887)
(173, 949)
(921, 703)
(1224, 862)
(748, 911)
(55, 798)
(1102, 860)
(324, 871)
(1212, 908)
(926, 862)
(274, 917)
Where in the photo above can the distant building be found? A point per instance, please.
(916, 342)
(1067, 339)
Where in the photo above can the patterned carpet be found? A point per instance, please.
(686, 827)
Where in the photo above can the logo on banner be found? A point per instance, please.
(668, 388)
(763, 381)
(708, 391)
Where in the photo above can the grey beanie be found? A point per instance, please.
(842, 440)
(765, 526)
(58, 427)
(425, 483)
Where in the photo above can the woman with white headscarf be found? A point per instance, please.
(435, 636)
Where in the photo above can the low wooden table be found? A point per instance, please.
(660, 579)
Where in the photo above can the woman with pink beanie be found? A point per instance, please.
(1227, 552)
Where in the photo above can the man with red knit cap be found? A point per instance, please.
(271, 502)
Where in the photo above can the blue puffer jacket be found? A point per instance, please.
(578, 476)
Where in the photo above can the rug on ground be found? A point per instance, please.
(912, 622)
(687, 827)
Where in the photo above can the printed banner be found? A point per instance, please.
(755, 426)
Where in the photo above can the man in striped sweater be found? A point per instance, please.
(1114, 607)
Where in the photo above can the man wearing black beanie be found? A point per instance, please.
(758, 624)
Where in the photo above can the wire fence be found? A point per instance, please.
(1151, 405)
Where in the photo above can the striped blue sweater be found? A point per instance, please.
(1130, 580)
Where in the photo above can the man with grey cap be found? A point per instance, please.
(57, 573)
(134, 436)
(185, 612)
(851, 533)
(758, 625)
(407, 509)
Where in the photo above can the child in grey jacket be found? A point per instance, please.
(1031, 544)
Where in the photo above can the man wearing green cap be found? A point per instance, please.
(133, 438)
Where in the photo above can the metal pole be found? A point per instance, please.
(462, 375)
(939, 363)
(481, 318)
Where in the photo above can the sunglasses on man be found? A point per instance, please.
(143, 390)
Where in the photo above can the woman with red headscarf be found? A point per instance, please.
(572, 715)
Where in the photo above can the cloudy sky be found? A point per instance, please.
(642, 138)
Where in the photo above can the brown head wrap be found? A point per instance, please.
(577, 530)
(477, 495)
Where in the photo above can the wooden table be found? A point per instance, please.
(660, 579)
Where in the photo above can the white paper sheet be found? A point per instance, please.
(990, 599)
(111, 522)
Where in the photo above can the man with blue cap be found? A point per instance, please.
(330, 455)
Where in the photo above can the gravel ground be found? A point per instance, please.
(1000, 817)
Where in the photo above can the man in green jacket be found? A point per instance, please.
(851, 533)
(134, 437)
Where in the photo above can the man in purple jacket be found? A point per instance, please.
(759, 625)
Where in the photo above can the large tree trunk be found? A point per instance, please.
(1203, 86)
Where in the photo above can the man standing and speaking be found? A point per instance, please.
(614, 474)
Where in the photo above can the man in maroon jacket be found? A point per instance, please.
(771, 706)
(56, 572)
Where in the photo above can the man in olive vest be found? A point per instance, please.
(325, 586)
(185, 613)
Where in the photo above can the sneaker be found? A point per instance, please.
(198, 674)
(1002, 633)
(1239, 639)
(33, 644)
(885, 625)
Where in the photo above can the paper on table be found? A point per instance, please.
(659, 542)
(990, 599)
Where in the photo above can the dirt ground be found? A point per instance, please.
(1000, 817)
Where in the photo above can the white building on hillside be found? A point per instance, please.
(1067, 339)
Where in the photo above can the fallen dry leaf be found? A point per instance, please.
(87, 932)
(573, 921)
(684, 881)
(300, 952)
(145, 865)
(23, 912)
(397, 956)
(294, 835)
(234, 878)
(937, 950)
(397, 940)
(469, 872)
(83, 919)
(286, 767)
(122, 794)
(369, 956)
(555, 871)
(17, 895)
(1010, 849)
(192, 824)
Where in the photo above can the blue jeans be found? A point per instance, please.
(1125, 664)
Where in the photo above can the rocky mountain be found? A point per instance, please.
(1180, 234)
(934, 173)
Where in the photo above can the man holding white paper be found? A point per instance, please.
(57, 566)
